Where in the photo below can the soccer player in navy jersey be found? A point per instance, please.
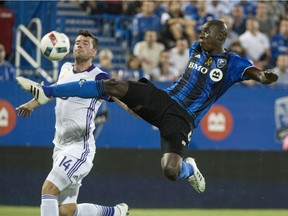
(177, 110)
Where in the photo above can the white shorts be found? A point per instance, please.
(67, 174)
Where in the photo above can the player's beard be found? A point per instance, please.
(80, 58)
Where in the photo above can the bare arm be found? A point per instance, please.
(264, 77)
(125, 107)
(26, 109)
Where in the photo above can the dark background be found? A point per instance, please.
(235, 179)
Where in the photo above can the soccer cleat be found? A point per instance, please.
(197, 180)
(123, 207)
(34, 88)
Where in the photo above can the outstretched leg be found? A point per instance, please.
(115, 88)
(83, 89)
(88, 89)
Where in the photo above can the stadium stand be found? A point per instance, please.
(69, 18)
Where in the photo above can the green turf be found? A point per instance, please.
(19, 210)
(34, 211)
(205, 212)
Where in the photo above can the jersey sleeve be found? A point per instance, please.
(104, 76)
(237, 67)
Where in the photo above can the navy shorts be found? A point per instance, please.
(157, 108)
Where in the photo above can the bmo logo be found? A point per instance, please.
(217, 123)
(7, 117)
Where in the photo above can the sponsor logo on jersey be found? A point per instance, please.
(76, 177)
(216, 75)
(200, 68)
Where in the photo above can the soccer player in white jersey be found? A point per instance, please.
(74, 141)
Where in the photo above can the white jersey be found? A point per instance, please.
(75, 116)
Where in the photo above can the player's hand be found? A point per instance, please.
(271, 76)
(25, 110)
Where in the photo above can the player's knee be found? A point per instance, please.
(171, 172)
(49, 188)
(67, 209)
(171, 165)
(116, 88)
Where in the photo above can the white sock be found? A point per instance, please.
(49, 205)
(88, 209)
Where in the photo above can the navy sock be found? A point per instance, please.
(186, 171)
(47, 90)
(87, 89)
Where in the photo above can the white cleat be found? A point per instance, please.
(123, 207)
(34, 88)
(197, 180)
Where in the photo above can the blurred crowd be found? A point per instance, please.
(162, 31)
(7, 70)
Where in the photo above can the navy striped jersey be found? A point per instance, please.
(205, 79)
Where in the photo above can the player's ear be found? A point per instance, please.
(221, 37)
(95, 53)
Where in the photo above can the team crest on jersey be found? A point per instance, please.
(221, 63)
(216, 75)
(81, 81)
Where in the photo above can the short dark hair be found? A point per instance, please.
(86, 33)
(221, 27)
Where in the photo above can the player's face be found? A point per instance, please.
(83, 49)
(208, 41)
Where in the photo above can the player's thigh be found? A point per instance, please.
(175, 131)
(68, 171)
(49, 188)
(138, 94)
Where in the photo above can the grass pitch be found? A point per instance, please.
(35, 211)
